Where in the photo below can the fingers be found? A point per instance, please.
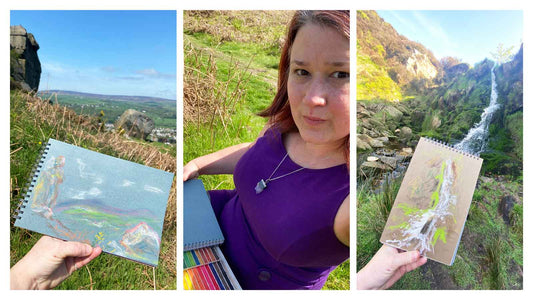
(73, 249)
(405, 258)
(403, 263)
(419, 262)
(82, 261)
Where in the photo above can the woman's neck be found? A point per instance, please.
(313, 156)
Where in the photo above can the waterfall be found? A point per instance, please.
(475, 141)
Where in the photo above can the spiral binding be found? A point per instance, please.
(202, 244)
(28, 187)
(451, 148)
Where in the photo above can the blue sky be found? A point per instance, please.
(105, 52)
(468, 35)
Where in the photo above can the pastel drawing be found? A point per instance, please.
(421, 228)
(87, 216)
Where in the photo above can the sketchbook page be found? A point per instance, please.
(200, 225)
(432, 204)
(82, 195)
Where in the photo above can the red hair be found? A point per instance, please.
(279, 112)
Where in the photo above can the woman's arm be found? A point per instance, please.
(220, 162)
(341, 225)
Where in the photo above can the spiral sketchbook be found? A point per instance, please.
(204, 265)
(77, 194)
(430, 209)
(200, 227)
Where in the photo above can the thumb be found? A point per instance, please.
(74, 249)
(404, 258)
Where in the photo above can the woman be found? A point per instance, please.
(286, 225)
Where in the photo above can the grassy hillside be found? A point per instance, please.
(231, 60)
(382, 59)
(163, 113)
(33, 122)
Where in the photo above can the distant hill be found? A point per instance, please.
(108, 97)
(161, 111)
(389, 65)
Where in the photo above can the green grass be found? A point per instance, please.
(27, 133)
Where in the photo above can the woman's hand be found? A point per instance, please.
(386, 267)
(49, 262)
(190, 171)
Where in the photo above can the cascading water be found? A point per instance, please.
(476, 139)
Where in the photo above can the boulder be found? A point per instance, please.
(405, 134)
(505, 208)
(374, 166)
(383, 139)
(135, 124)
(393, 112)
(435, 122)
(389, 161)
(25, 67)
(407, 150)
(370, 141)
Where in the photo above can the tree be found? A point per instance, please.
(502, 54)
(449, 61)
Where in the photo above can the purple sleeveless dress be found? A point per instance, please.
(282, 238)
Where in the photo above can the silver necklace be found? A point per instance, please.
(262, 184)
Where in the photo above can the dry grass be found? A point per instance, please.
(240, 26)
(208, 97)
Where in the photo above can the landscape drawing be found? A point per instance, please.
(89, 198)
(432, 203)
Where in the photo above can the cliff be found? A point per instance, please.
(25, 67)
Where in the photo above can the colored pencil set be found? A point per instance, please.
(204, 265)
(206, 269)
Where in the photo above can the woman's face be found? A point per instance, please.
(319, 85)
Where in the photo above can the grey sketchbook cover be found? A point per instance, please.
(200, 226)
(81, 195)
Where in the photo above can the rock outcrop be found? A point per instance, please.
(25, 69)
(135, 124)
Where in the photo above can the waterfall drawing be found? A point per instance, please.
(432, 203)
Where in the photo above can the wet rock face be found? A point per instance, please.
(505, 208)
(25, 67)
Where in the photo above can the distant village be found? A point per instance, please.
(159, 134)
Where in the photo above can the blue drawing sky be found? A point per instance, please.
(105, 52)
(470, 35)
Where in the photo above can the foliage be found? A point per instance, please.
(448, 61)
(502, 54)
(373, 81)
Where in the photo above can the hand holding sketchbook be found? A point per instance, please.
(81, 195)
(204, 265)
(432, 204)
